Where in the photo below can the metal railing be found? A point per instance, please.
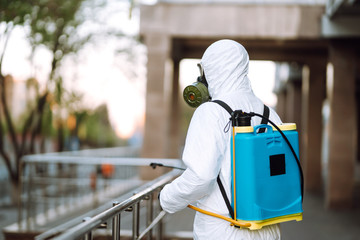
(146, 193)
(56, 184)
(59, 190)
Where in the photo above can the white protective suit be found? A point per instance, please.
(207, 146)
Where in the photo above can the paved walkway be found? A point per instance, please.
(8, 215)
(318, 222)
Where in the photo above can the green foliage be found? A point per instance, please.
(15, 11)
(97, 130)
(47, 128)
(53, 23)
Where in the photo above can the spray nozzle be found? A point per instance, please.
(154, 165)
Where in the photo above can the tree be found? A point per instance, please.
(12, 14)
(53, 24)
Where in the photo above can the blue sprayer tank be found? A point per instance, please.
(265, 175)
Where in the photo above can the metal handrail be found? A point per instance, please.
(84, 229)
(49, 193)
(45, 158)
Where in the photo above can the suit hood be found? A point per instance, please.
(226, 65)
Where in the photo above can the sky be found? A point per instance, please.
(106, 79)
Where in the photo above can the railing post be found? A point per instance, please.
(149, 214)
(20, 194)
(29, 209)
(87, 236)
(159, 235)
(44, 188)
(116, 225)
(135, 227)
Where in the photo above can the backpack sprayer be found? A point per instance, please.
(267, 179)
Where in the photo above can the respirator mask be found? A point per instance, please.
(197, 93)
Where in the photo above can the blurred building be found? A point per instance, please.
(316, 45)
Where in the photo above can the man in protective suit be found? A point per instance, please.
(207, 146)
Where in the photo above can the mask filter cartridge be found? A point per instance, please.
(196, 94)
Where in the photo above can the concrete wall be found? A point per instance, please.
(232, 20)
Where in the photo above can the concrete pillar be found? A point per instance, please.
(281, 104)
(174, 118)
(293, 95)
(358, 111)
(157, 94)
(293, 102)
(342, 126)
(313, 94)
